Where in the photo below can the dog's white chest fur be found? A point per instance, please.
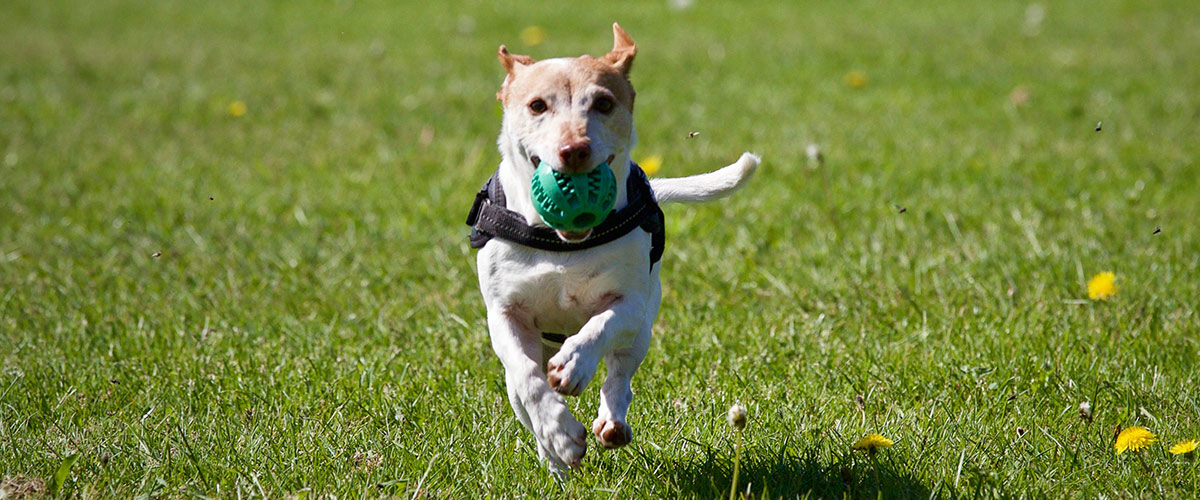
(560, 291)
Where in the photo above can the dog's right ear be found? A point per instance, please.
(512, 63)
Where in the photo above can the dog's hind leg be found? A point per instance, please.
(561, 439)
(610, 427)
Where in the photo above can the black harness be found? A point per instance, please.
(489, 218)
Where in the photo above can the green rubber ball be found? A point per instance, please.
(573, 202)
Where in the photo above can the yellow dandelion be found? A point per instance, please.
(871, 442)
(1134, 439)
(651, 164)
(237, 108)
(1184, 447)
(533, 35)
(856, 79)
(1102, 286)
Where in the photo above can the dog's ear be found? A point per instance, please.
(512, 63)
(621, 55)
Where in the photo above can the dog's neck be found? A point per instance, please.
(516, 174)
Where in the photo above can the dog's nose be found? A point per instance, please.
(575, 155)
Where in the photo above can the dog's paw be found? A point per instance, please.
(563, 440)
(611, 434)
(569, 372)
(557, 469)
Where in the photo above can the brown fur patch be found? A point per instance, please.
(623, 51)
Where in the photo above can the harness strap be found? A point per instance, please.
(489, 218)
(553, 339)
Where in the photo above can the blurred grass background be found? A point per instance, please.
(312, 326)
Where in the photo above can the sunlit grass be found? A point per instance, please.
(201, 297)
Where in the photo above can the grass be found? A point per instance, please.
(314, 327)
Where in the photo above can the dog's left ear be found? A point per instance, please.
(621, 55)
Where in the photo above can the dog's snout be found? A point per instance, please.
(575, 155)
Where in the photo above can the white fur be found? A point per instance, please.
(705, 187)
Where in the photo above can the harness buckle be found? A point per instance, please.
(480, 198)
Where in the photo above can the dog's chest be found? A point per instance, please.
(560, 298)
(561, 291)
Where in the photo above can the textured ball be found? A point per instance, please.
(573, 202)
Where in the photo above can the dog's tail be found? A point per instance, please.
(705, 187)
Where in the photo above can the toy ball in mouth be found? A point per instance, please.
(573, 203)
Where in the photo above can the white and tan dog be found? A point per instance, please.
(576, 113)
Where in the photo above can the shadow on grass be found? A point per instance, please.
(789, 474)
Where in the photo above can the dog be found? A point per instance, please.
(558, 302)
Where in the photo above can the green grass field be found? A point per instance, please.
(283, 303)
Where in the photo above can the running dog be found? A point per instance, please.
(558, 302)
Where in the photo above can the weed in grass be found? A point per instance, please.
(737, 420)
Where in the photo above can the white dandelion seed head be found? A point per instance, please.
(813, 151)
(737, 416)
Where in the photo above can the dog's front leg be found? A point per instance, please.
(570, 371)
(620, 335)
(610, 427)
(561, 439)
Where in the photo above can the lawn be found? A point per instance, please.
(233, 259)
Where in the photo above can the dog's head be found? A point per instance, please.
(572, 113)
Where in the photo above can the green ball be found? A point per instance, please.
(573, 202)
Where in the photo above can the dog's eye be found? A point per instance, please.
(603, 105)
(537, 106)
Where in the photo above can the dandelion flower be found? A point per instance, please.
(533, 35)
(737, 419)
(651, 164)
(856, 79)
(237, 109)
(1102, 286)
(1184, 447)
(813, 152)
(872, 442)
(737, 416)
(1134, 439)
